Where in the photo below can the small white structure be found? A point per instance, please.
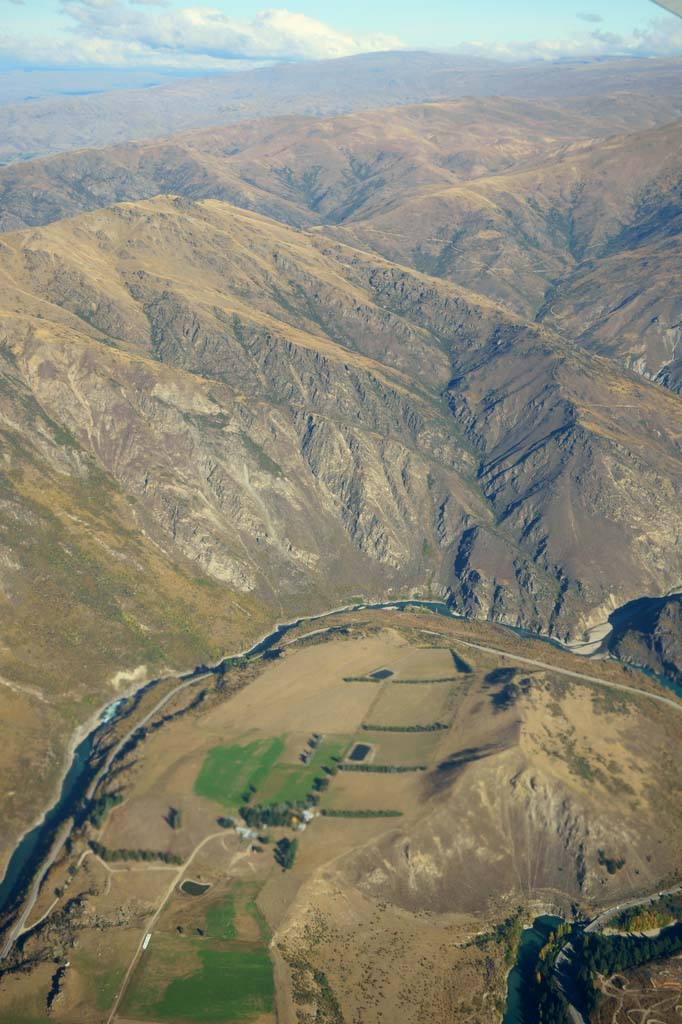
(245, 833)
(146, 940)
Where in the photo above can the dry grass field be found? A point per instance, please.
(530, 775)
(647, 995)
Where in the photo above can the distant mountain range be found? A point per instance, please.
(55, 124)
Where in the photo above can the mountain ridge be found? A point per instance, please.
(324, 88)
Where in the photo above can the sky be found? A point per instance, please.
(233, 34)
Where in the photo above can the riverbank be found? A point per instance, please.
(48, 823)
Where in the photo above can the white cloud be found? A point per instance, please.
(661, 38)
(130, 33)
(92, 53)
(205, 32)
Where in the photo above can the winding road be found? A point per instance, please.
(676, 704)
(564, 965)
(19, 926)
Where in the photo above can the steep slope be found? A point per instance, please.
(579, 460)
(372, 396)
(221, 420)
(626, 306)
(212, 421)
(621, 298)
(517, 236)
(523, 202)
(319, 88)
(649, 632)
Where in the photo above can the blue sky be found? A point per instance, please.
(224, 33)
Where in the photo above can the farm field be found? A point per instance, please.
(293, 782)
(400, 705)
(217, 983)
(371, 919)
(221, 943)
(228, 772)
(402, 748)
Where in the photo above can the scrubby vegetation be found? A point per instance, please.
(383, 768)
(310, 987)
(612, 864)
(460, 664)
(145, 855)
(285, 852)
(100, 807)
(399, 682)
(423, 682)
(330, 813)
(174, 818)
(433, 727)
(507, 934)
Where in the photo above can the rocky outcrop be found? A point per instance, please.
(289, 416)
(648, 632)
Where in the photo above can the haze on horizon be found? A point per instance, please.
(177, 36)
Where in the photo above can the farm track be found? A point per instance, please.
(150, 923)
(677, 705)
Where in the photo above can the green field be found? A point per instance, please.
(231, 984)
(293, 782)
(221, 918)
(222, 977)
(227, 772)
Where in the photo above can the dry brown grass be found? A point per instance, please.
(382, 907)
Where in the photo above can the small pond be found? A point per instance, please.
(359, 752)
(192, 888)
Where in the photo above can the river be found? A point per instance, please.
(521, 976)
(36, 844)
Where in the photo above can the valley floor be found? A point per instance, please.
(501, 779)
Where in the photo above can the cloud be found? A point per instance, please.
(147, 33)
(662, 37)
(205, 32)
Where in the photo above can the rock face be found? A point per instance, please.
(286, 416)
(649, 632)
